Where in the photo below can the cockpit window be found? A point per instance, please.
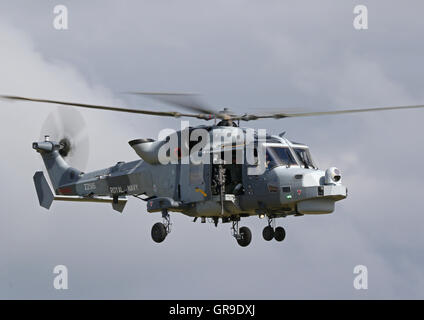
(304, 157)
(279, 156)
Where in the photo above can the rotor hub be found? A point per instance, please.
(65, 147)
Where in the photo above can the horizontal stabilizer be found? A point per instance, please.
(117, 204)
(44, 193)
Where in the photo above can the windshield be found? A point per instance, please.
(279, 156)
(304, 157)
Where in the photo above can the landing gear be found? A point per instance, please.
(158, 232)
(161, 229)
(242, 235)
(279, 234)
(270, 233)
(245, 237)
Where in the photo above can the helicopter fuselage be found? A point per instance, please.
(288, 185)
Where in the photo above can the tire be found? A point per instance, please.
(246, 236)
(158, 232)
(268, 233)
(279, 234)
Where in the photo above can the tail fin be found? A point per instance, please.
(58, 169)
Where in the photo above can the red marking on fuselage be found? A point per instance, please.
(66, 190)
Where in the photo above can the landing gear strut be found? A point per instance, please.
(242, 235)
(161, 229)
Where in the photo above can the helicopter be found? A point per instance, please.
(242, 171)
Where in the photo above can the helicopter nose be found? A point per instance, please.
(307, 191)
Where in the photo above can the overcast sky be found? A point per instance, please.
(246, 55)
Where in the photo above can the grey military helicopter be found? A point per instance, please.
(222, 189)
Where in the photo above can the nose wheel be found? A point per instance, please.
(270, 232)
(161, 229)
(279, 234)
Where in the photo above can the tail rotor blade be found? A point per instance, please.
(67, 126)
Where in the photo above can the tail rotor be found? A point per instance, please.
(68, 128)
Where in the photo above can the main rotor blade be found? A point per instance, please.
(100, 107)
(248, 117)
(188, 101)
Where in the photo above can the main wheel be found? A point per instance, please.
(268, 233)
(245, 236)
(279, 233)
(158, 232)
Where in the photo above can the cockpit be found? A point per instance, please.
(281, 155)
(304, 157)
